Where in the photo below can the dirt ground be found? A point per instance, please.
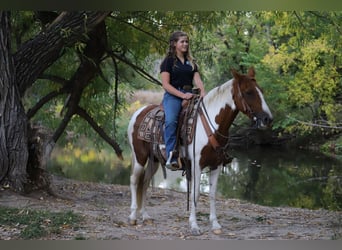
(106, 208)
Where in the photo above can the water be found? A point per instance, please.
(274, 177)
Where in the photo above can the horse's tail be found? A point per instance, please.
(140, 188)
(145, 178)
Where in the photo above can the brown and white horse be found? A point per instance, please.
(220, 107)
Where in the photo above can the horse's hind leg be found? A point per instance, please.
(150, 171)
(137, 174)
(216, 227)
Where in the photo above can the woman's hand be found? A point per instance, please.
(187, 96)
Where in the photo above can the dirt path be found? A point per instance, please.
(106, 208)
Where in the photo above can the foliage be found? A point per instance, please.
(297, 56)
(82, 162)
(333, 192)
(23, 26)
(35, 224)
(238, 43)
(307, 54)
(297, 59)
(136, 43)
(333, 146)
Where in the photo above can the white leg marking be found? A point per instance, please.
(195, 191)
(146, 218)
(216, 227)
(136, 172)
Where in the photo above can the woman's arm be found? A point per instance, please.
(199, 83)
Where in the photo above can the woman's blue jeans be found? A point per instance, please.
(172, 107)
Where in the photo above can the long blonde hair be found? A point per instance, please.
(172, 51)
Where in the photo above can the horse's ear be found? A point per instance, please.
(236, 75)
(251, 72)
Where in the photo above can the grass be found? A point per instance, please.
(34, 224)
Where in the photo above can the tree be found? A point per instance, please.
(35, 76)
(66, 72)
(306, 53)
(18, 73)
(13, 130)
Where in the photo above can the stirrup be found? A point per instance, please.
(168, 162)
(172, 165)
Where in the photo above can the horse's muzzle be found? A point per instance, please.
(262, 121)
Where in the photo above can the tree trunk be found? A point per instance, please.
(21, 157)
(13, 123)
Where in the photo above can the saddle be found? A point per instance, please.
(151, 128)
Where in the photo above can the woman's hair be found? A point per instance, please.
(175, 36)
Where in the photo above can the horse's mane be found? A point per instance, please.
(220, 94)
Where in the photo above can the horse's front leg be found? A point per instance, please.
(195, 192)
(216, 227)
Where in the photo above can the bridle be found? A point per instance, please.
(245, 105)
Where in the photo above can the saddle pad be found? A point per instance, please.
(151, 128)
(188, 120)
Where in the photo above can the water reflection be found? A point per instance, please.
(274, 177)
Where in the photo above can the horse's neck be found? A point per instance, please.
(219, 101)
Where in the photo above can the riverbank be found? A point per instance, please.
(105, 209)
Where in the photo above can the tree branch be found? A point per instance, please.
(315, 124)
(54, 78)
(38, 54)
(82, 113)
(315, 13)
(138, 69)
(64, 123)
(32, 111)
(116, 90)
(299, 20)
(139, 29)
(83, 75)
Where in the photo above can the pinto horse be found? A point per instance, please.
(220, 107)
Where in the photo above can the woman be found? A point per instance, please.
(178, 73)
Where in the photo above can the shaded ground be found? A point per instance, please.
(106, 209)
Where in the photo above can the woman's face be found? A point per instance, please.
(182, 45)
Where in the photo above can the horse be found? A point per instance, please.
(219, 107)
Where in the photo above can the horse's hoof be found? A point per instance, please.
(195, 232)
(217, 231)
(132, 222)
(148, 222)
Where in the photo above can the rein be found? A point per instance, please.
(209, 127)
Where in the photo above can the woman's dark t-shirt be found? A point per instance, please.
(180, 74)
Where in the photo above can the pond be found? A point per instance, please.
(274, 177)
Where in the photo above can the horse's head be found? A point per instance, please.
(249, 99)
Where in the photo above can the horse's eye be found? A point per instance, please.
(249, 93)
